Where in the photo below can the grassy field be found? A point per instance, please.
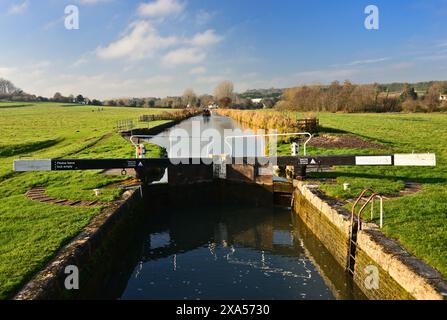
(32, 232)
(418, 221)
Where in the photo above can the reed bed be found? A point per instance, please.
(272, 120)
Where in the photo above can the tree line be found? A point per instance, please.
(8, 91)
(223, 96)
(349, 97)
(336, 97)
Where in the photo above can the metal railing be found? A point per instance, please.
(370, 200)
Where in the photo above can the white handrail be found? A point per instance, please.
(272, 135)
(381, 209)
(139, 136)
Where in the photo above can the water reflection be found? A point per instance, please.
(224, 254)
(205, 135)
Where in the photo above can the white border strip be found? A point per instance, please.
(418, 160)
(32, 165)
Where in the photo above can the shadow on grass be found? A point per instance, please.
(17, 149)
(15, 106)
(331, 130)
(327, 130)
(334, 175)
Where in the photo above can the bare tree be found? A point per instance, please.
(189, 98)
(7, 87)
(206, 100)
(225, 89)
(432, 98)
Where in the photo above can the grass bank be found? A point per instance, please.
(32, 232)
(418, 221)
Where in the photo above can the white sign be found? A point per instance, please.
(373, 161)
(419, 160)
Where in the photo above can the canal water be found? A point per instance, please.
(231, 252)
(201, 136)
(226, 253)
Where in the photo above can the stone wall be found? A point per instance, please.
(328, 225)
(85, 252)
(401, 275)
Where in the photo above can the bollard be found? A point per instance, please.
(142, 151)
(295, 149)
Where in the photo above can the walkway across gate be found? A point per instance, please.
(427, 159)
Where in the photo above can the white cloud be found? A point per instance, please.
(160, 8)
(198, 70)
(402, 65)
(368, 61)
(159, 79)
(81, 61)
(184, 56)
(54, 23)
(209, 37)
(141, 41)
(210, 80)
(203, 17)
(441, 44)
(6, 72)
(325, 75)
(18, 8)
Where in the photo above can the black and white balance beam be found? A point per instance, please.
(421, 160)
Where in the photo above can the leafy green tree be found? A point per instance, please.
(80, 99)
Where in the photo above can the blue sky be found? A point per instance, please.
(161, 47)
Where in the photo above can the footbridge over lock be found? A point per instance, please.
(246, 170)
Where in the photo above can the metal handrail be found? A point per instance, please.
(369, 200)
(360, 197)
(359, 216)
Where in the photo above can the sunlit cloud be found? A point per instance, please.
(18, 8)
(209, 37)
(184, 56)
(141, 41)
(160, 8)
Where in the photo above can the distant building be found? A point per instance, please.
(443, 97)
(256, 101)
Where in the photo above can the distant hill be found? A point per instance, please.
(262, 93)
(418, 86)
